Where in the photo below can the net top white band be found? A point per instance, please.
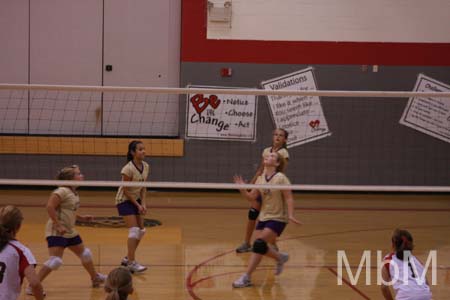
(259, 92)
(225, 186)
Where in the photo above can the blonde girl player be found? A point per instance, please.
(276, 211)
(404, 271)
(279, 139)
(130, 202)
(119, 284)
(60, 230)
(16, 260)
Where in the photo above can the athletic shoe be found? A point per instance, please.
(135, 267)
(99, 279)
(245, 247)
(29, 291)
(243, 281)
(284, 257)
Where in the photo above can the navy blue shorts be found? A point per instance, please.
(127, 208)
(59, 241)
(276, 226)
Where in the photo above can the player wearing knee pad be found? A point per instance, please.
(60, 231)
(277, 210)
(279, 146)
(130, 201)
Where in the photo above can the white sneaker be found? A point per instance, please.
(29, 291)
(135, 267)
(243, 281)
(99, 279)
(284, 257)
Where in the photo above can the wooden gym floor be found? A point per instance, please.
(191, 256)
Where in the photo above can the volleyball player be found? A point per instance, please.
(60, 230)
(16, 260)
(279, 139)
(119, 284)
(276, 211)
(404, 271)
(130, 202)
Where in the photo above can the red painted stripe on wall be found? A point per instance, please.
(196, 48)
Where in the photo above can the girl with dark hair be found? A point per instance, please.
(119, 284)
(16, 260)
(279, 139)
(277, 210)
(130, 202)
(60, 231)
(404, 271)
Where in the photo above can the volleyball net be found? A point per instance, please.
(199, 137)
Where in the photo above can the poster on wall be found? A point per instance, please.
(301, 116)
(221, 116)
(429, 115)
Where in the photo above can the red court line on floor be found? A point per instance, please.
(349, 284)
(190, 286)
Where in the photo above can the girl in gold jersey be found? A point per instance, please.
(130, 202)
(276, 211)
(60, 230)
(279, 139)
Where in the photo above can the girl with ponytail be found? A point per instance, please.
(119, 284)
(279, 145)
(130, 203)
(17, 261)
(404, 271)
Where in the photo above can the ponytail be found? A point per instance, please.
(10, 220)
(118, 284)
(402, 241)
(113, 294)
(132, 149)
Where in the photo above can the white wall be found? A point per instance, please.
(336, 20)
(14, 65)
(69, 42)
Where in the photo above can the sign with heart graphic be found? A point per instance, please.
(221, 117)
(200, 102)
(301, 116)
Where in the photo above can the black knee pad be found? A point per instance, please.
(260, 246)
(253, 214)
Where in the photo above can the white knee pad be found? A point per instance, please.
(134, 233)
(86, 256)
(141, 233)
(53, 263)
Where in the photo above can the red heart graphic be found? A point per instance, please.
(314, 123)
(199, 102)
(214, 101)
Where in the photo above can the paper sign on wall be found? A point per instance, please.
(301, 116)
(221, 117)
(426, 114)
